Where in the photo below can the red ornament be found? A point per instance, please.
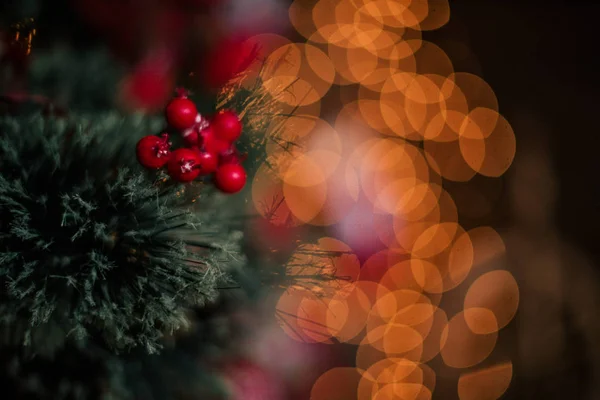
(230, 178)
(211, 143)
(184, 165)
(227, 126)
(181, 113)
(153, 151)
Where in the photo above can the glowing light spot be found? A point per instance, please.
(481, 320)
(438, 15)
(427, 276)
(300, 17)
(478, 93)
(336, 384)
(287, 315)
(434, 240)
(432, 344)
(268, 198)
(487, 244)
(461, 347)
(447, 160)
(388, 371)
(496, 291)
(487, 383)
(493, 154)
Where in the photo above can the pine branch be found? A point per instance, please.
(93, 245)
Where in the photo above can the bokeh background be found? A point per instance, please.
(537, 58)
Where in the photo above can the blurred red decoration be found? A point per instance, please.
(248, 381)
(150, 84)
(228, 58)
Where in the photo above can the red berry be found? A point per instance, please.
(181, 113)
(227, 126)
(211, 143)
(209, 163)
(230, 178)
(184, 165)
(232, 156)
(191, 137)
(148, 87)
(153, 151)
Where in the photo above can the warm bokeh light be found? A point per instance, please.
(461, 346)
(375, 123)
(496, 291)
(336, 384)
(485, 384)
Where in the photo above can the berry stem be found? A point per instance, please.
(182, 92)
(163, 146)
(188, 165)
(201, 123)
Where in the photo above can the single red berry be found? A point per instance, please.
(153, 151)
(208, 162)
(191, 137)
(230, 178)
(181, 113)
(227, 126)
(210, 143)
(184, 165)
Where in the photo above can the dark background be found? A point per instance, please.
(540, 59)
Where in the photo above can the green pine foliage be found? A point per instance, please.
(93, 248)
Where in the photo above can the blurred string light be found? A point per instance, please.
(407, 123)
(22, 34)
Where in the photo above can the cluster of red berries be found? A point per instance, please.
(210, 146)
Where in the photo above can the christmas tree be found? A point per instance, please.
(122, 202)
